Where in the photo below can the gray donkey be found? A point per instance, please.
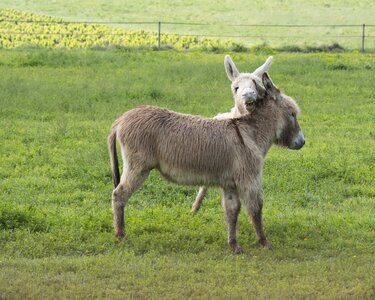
(245, 94)
(192, 150)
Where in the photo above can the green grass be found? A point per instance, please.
(224, 13)
(56, 237)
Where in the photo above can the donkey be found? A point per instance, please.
(245, 93)
(243, 87)
(193, 150)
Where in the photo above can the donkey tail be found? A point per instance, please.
(113, 157)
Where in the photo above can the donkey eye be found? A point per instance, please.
(235, 89)
(292, 117)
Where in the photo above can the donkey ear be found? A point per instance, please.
(230, 68)
(260, 89)
(263, 68)
(270, 87)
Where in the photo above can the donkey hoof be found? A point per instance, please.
(194, 211)
(266, 244)
(237, 249)
(120, 234)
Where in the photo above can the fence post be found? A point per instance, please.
(159, 28)
(363, 37)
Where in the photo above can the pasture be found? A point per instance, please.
(56, 235)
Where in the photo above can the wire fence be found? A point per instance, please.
(362, 34)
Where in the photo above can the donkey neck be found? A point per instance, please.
(261, 125)
(238, 111)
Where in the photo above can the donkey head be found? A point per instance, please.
(288, 132)
(246, 87)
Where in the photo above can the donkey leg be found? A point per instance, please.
(232, 205)
(254, 205)
(129, 183)
(198, 200)
(256, 218)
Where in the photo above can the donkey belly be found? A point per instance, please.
(190, 177)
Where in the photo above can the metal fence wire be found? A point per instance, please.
(360, 30)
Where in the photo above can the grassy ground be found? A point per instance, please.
(224, 13)
(56, 238)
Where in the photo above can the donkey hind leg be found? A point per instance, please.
(130, 181)
(253, 202)
(232, 205)
(198, 200)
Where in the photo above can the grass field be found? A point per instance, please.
(56, 237)
(223, 14)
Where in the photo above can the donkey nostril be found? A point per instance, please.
(299, 144)
(250, 97)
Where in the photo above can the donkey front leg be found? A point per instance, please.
(232, 205)
(254, 203)
(130, 181)
(198, 200)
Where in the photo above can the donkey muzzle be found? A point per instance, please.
(298, 141)
(249, 95)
